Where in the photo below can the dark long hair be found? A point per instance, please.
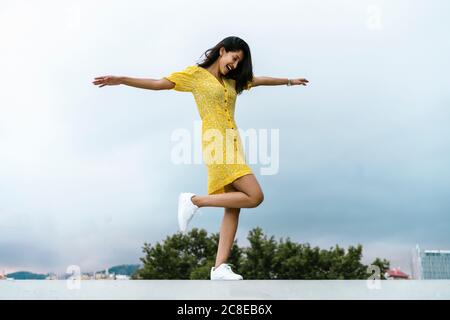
(244, 71)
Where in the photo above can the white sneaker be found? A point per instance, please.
(224, 272)
(186, 210)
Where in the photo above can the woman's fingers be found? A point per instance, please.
(300, 81)
(303, 81)
(102, 81)
(107, 81)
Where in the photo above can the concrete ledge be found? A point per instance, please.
(225, 290)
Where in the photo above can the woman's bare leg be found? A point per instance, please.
(227, 231)
(248, 194)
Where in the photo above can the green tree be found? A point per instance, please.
(384, 266)
(191, 256)
(259, 257)
(183, 256)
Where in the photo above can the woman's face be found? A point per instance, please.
(229, 61)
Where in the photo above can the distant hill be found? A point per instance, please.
(125, 269)
(25, 275)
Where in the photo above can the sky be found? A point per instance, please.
(86, 176)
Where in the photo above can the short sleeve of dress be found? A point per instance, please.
(184, 79)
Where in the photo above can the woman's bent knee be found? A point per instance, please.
(256, 199)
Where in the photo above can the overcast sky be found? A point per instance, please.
(86, 175)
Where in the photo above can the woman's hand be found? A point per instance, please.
(107, 81)
(299, 81)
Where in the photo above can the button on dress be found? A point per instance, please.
(222, 149)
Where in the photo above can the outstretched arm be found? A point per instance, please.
(150, 84)
(269, 81)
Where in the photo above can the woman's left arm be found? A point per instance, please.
(269, 81)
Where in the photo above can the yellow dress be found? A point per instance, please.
(221, 143)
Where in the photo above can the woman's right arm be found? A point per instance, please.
(150, 84)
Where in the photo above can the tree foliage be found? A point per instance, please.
(191, 256)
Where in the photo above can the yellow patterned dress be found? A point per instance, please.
(222, 149)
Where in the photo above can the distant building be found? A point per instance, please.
(396, 274)
(99, 276)
(51, 276)
(431, 264)
(103, 276)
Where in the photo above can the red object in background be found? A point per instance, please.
(396, 273)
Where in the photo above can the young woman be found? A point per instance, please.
(224, 73)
